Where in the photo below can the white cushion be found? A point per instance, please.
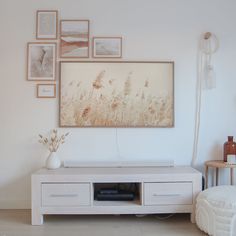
(216, 211)
(220, 196)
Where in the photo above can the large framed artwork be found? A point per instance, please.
(74, 39)
(116, 94)
(41, 61)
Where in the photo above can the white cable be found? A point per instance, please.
(117, 145)
(198, 108)
(163, 217)
(157, 216)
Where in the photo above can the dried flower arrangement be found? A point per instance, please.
(53, 141)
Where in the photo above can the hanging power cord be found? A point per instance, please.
(208, 45)
(157, 216)
(163, 217)
(198, 110)
(117, 145)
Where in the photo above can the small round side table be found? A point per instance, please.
(218, 164)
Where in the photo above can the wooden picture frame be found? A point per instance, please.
(107, 47)
(47, 24)
(116, 94)
(41, 61)
(46, 90)
(74, 38)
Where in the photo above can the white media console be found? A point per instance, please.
(71, 191)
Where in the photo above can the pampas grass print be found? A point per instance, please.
(122, 106)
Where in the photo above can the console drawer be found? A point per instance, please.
(66, 194)
(168, 193)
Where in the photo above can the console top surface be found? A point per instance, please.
(119, 171)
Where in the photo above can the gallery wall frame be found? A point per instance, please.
(107, 47)
(116, 94)
(46, 90)
(47, 24)
(41, 61)
(74, 38)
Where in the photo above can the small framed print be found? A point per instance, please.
(47, 24)
(107, 47)
(74, 38)
(41, 61)
(46, 90)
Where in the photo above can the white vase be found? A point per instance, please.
(53, 162)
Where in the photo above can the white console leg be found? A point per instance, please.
(36, 218)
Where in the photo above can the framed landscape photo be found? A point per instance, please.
(107, 47)
(41, 61)
(46, 24)
(46, 90)
(116, 94)
(74, 38)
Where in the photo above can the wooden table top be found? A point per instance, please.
(219, 164)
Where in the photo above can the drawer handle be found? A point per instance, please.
(165, 195)
(64, 195)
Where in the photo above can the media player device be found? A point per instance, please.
(114, 195)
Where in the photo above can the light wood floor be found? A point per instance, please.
(17, 223)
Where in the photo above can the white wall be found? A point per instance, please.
(152, 30)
